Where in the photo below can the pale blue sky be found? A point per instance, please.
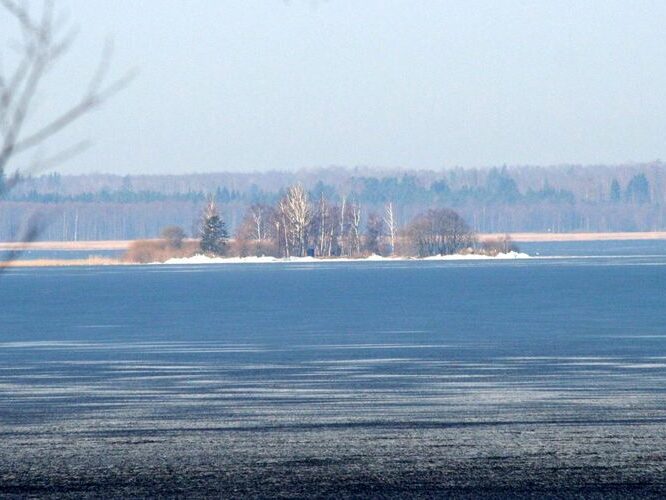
(257, 85)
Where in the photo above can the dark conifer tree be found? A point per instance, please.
(214, 235)
(638, 189)
(615, 191)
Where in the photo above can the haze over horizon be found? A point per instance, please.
(271, 85)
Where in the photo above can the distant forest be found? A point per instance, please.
(494, 200)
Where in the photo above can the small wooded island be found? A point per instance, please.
(298, 226)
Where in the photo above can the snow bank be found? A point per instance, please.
(202, 259)
(513, 255)
(474, 256)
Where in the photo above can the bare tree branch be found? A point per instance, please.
(9, 88)
(45, 40)
(20, 14)
(42, 47)
(19, 114)
(87, 104)
(41, 163)
(34, 227)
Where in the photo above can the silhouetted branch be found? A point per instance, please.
(42, 47)
(34, 227)
(44, 41)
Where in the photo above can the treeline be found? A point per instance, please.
(496, 185)
(505, 199)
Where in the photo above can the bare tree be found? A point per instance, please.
(389, 220)
(323, 227)
(349, 227)
(343, 226)
(501, 244)
(440, 232)
(173, 236)
(354, 246)
(257, 233)
(259, 217)
(373, 233)
(280, 234)
(296, 215)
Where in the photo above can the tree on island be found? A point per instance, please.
(257, 233)
(323, 226)
(173, 235)
(373, 233)
(440, 232)
(389, 220)
(214, 236)
(295, 215)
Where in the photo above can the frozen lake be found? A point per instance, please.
(529, 377)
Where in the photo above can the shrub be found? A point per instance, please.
(146, 251)
(174, 236)
(439, 232)
(503, 244)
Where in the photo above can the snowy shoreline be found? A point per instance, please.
(202, 259)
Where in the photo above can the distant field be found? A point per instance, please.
(91, 261)
(518, 237)
(67, 245)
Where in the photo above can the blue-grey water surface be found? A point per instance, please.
(526, 377)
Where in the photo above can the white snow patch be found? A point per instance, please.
(202, 259)
(474, 256)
